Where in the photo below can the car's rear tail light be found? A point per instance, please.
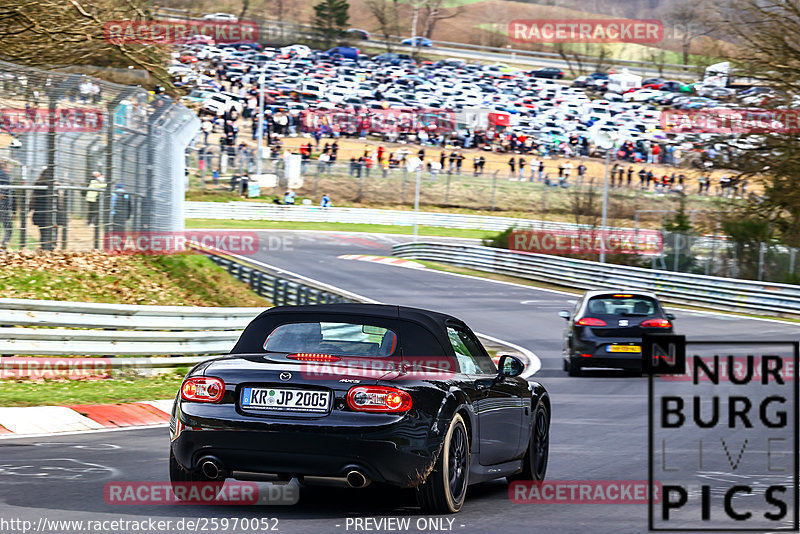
(203, 389)
(313, 357)
(621, 296)
(586, 355)
(656, 323)
(590, 321)
(378, 399)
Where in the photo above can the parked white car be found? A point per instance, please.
(221, 17)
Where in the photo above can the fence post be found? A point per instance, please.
(361, 168)
(23, 218)
(257, 282)
(494, 187)
(761, 261)
(316, 179)
(403, 189)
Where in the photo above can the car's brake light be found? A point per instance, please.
(656, 323)
(621, 296)
(203, 389)
(313, 357)
(590, 321)
(378, 399)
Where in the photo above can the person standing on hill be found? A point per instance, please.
(97, 184)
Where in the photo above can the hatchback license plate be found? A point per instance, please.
(285, 400)
(624, 348)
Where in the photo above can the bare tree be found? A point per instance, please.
(764, 33)
(386, 15)
(580, 54)
(245, 7)
(71, 32)
(688, 21)
(432, 14)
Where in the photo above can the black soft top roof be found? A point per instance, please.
(252, 338)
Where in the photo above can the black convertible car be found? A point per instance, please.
(360, 393)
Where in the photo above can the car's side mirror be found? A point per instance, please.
(671, 316)
(564, 314)
(510, 366)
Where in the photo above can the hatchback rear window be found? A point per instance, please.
(343, 339)
(622, 304)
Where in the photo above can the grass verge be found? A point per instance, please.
(64, 392)
(338, 227)
(183, 279)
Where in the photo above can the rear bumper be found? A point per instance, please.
(401, 453)
(600, 357)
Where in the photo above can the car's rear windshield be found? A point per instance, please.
(622, 304)
(343, 339)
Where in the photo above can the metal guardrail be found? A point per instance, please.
(264, 211)
(761, 298)
(47, 313)
(136, 330)
(281, 291)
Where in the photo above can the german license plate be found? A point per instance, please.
(623, 348)
(285, 400)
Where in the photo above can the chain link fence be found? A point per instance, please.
(80, 157)
(719, 255)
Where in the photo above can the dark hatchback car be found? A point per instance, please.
(360, 393)
(547, 72)
(605, 330)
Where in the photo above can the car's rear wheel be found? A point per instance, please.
(179, 476)
(572, 369)
(446, 487)
(534, 464)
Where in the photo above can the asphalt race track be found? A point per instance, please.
(598, 432)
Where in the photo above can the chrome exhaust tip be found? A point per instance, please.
(356, 479)
(210, 468)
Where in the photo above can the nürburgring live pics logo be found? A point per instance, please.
(723, 434)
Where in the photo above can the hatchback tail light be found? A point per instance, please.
(656, 323)
(203, 389)
(590, 321)
(378, 399)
